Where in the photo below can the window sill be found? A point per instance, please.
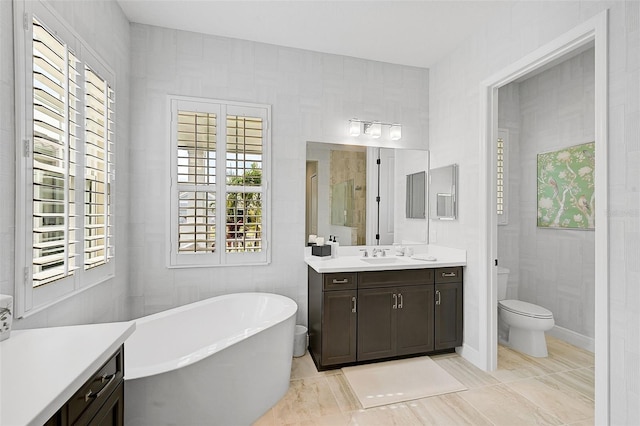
(47, 305)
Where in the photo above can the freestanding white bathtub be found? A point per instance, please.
(220, 361)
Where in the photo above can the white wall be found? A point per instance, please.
(454, 136)
(103, 26)
(312, 96)
(555, 268)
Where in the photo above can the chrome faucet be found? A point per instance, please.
(378, 250)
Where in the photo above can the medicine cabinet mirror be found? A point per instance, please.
(442, 192)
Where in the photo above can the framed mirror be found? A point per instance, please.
(357, 193)
(442, 192)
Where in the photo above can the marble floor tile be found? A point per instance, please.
(342, 392)
(446, 410)
(513, 365)
(306, 399)
(581, 380)
(523, 391)
(388, 415)
(502, 406)
(465, 372)
(587, 422)
(555, 398)
(575, 355)
(303, 367)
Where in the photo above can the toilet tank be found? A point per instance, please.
(503, 278)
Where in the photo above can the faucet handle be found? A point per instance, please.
(384, 252)
(365, 253)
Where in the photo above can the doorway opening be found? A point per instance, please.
(590, 33)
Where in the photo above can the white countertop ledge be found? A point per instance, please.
(40, 369)
(350, 259)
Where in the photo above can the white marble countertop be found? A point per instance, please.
(350, 259)
(40, 369)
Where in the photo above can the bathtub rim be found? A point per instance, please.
(290, 308)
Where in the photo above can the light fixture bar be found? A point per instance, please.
(374, 128)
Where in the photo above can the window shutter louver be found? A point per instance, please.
(197, 181)
(54, 112)
(244, 184)
(96, 175)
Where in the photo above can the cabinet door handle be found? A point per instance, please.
(90, 394)
(401, 300)
(343, 281)
(448, 274)
(438, 299)
(395, 301)
(353, 307)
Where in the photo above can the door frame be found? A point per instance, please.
(595, 31)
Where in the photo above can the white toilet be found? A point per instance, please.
(521, 325)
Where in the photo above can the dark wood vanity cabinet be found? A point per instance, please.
(100, 401)
(448, 308)
(332, 317)
(398, 320)
(364, 316)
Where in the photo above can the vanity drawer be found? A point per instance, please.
(449, 275)
(340, 281)
(373, 279)
(85, 403)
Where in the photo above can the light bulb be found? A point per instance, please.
(354, 127)
(375, 130)
(395, 132)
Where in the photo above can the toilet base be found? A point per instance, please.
(529, 342)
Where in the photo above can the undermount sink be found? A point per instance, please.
(380, 260)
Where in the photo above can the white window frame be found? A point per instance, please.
(503, 219)
(220, 257)
(29, 300)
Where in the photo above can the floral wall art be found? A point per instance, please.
(566, 196)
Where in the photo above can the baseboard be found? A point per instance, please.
(576, 339)
(472, 355)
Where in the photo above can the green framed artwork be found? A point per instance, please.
(566, 198)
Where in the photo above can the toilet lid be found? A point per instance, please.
(525, 308)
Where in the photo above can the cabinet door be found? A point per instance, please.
(448, 315)
(339, 327)
(376, 323)
(415, 319)
(112, 412)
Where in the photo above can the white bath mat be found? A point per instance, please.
(402, 380)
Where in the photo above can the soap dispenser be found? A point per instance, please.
(334, 247)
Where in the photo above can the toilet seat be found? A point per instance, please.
(519, 307)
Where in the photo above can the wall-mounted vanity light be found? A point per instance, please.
(374, 128)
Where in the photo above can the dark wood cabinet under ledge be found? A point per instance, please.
(100, 401)
(374, 315)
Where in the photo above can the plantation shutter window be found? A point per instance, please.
(218, 219)
(65, 169)
(501, 176)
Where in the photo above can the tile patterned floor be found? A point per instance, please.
(557, 390)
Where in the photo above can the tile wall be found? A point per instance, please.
(313, 95)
